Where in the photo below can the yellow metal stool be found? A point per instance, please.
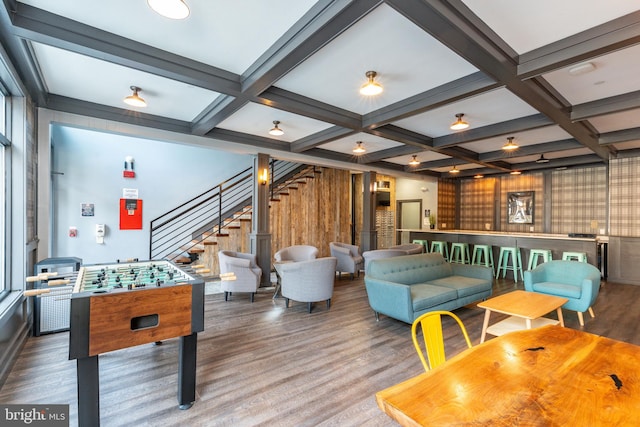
(424, 243)
(460, 253)
(483, 255)
(441, 247)
(574, 256)
(516, 262)
(534, 254)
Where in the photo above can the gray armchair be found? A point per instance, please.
(296, 253)
(308, 281)
(246, 270)
(349, 258)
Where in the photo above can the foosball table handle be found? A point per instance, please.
(35, 292)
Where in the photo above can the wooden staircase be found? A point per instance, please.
(234, 235)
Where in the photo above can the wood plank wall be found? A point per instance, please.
(316, 213)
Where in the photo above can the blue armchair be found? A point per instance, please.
(579, 282)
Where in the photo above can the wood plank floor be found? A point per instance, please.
(262, 364)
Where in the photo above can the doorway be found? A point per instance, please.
(409, 218)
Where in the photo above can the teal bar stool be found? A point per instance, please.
(574, 256)
(424, 243)
(460, 253)
(483, 255)
(516, 262)
(535, 254)
(441, 247)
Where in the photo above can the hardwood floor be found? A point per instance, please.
(262, 364)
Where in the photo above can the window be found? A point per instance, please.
(4, 146)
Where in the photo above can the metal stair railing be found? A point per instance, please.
(176, 232)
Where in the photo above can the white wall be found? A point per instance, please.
(87, 168)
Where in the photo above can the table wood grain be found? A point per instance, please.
(536, 377)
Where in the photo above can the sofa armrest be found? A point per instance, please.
(536, 275)
(391, 299)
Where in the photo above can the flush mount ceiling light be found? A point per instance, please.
(172, 9)
(134, 99)
(275, 130)
(454, 170)
(583, 68)
(459, 124)
(542, 159)
(478, 176)
(359, 149)
(515, 172)
(371, 87)
(414, 160)
(510, 145)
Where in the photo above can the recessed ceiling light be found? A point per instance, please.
(459, 124)
(172, 9)
(583, 68)
(371, 87)
(134, 99)
(275, 130)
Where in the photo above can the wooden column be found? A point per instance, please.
(260, 235)
(369, 235)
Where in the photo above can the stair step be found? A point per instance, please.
(210, 243)
(195, 251)
(222, 235)
(183, 260)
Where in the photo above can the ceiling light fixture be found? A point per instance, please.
(478, 176)
(459, 124)
(414, 160)
(583, 68)
(454, 170)
(510, 145)
(134, 99)
(359, 149)
(542, 159)
(172, 9)
(515, 172)
(371, 87)
(275, 130)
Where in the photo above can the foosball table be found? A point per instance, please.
(121, 305)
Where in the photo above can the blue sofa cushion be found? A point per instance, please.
(464, 286)
(558, 289)
(410, 269)
(424, 296)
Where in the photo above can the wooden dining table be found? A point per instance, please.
(547, 376)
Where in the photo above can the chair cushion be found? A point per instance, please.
(464, 286)
(426, 295)
(558, 289)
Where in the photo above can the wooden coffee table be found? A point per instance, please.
(525, 310)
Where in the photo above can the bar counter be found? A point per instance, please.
(594, 247)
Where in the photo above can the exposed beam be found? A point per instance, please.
(247, 139)
(601, 107)
(392, 152)
(44, 27)
(510, 126)
(90, 109)
(319, 138)
(529, 150)
(323, 23)
(405, 136)
(454, 25)
(632, 134)
(456, 90)
(611, 36)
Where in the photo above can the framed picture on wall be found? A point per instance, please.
(520, 207)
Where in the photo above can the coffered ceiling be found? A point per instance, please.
(233, 67)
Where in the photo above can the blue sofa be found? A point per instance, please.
(408, 286)
(579, 282)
